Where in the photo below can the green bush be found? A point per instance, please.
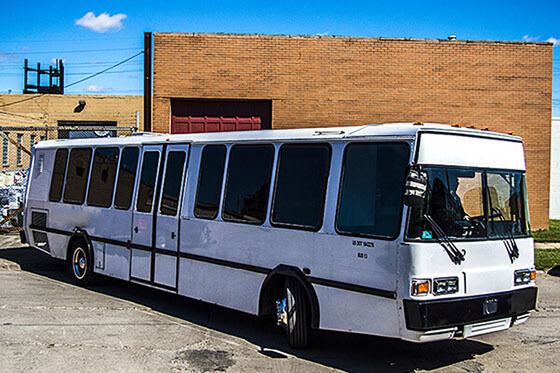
(548, 235)
(547, 258)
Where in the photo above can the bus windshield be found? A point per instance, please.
(471, 204)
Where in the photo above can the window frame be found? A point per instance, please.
(339, 192)
(328, 146)
(63, 176)
(155, 202)
(221, 193)
(227, 180)
(117, 177)
(90, 148)
(92, 161)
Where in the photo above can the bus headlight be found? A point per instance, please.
(523, 276)
(448, 285)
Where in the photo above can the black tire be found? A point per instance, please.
(80, 264)
(297, 311)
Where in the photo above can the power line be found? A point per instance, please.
(103, 71)
(71, 51)
(76, 82)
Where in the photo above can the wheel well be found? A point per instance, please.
(273, 289)
(77, 236)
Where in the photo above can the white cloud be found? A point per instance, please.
(554, 41)
(95, 88)
(326, 33)
(531, 38)
(101, 23)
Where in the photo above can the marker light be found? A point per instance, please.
(447, 285)
(523, 276)
(420, 287)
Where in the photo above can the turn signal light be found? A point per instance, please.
(420, 287)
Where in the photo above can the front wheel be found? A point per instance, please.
(81, 264)
(297, 327)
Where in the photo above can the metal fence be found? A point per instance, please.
(17, 143)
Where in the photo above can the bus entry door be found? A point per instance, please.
(167, 224)
(142, 222)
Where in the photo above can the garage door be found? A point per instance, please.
(191, 124)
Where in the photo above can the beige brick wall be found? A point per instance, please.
(30, 110)
(333, 81)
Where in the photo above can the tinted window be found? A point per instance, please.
(77, 176)
(248, 183)
(301, 184)
(371, 189)
(172, 183)
(59, 170)
(210, 182)
(103, 174)
(127, 176)
(147, 182)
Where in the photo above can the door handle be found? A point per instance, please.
(135, 229)
(172, 235)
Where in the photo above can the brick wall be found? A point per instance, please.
(336, 81)
(31, 110)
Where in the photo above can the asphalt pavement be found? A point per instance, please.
(47, 324)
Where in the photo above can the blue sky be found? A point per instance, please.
(43, 31)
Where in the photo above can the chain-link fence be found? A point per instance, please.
(16, 151)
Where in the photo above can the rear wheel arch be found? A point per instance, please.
(273, 288)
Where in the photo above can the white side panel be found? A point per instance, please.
(116, 261)
(99, 255)
(233, 288)
(166, 270)
(349, 311)
(141, 264)
(466, 151)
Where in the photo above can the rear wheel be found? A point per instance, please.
(81, 264)
(297, 327)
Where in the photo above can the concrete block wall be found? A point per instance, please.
(317, 81)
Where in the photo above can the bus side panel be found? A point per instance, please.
(349, 311)
(229, 287)
(111, 260)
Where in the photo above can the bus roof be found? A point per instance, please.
(396, 130)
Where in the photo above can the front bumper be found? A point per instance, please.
(455, 312)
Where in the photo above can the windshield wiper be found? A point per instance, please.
(456, 255)
(509, 241)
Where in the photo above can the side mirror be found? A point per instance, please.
(415, 187)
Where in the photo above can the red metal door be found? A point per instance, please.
(189, 124)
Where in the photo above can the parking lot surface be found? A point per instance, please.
(49, 325)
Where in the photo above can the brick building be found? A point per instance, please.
(311, 81)
(28, 118)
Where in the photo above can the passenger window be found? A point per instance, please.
(127, 177)
(103, 174)
(59, 169)
(373, 177)
(248, 183)
(301, 184)
(172, 183)
(210, 182)
(77, 176)
(147, 182)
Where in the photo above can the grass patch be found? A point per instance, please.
(547, 258)
(548, 235)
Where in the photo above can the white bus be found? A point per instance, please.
(414, 231)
